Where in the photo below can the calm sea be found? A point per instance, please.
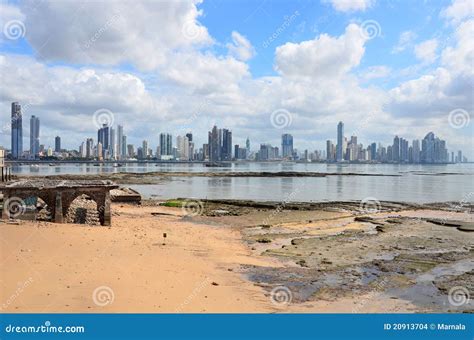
(416, 183)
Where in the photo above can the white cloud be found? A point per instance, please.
(458, 11)
(351, 5)
(322, 57)
(404, 41)
(145, 33)
(426, 51)
(240, 48)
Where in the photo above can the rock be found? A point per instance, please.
(263, 240)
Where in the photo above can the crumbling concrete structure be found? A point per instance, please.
(59, 194)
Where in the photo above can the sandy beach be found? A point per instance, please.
(233, 259)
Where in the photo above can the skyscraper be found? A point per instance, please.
(120, 149)
(166, 144)
(34, 136)
(396, 149)
(340, 141)
(215, 147)
(103, 139)
(287, 145)
(89, 148)
(226, 145)
(17, 131)
(57, 144)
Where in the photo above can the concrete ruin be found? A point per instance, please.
(58, 195)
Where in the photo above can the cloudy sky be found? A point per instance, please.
(260, 68)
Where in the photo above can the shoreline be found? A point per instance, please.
(230, 256)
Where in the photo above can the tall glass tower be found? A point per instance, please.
(17, 131)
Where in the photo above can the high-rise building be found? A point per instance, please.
(104, 139)
(89, 148)
(182, 144)
(330, 151)
(190, 136)
(34, 136)
(396, 149)
(340, 141)
(123, 151)
(247, 146)
(144, 149)
(226, 145)
(215, 144)
(433, 149)
(287, 145)
(373, 151)
(57, 144)
(17, 131)
(166, 144)
(113, 143)
(120, 154)
(416, 151)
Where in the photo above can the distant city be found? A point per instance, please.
(111, 145)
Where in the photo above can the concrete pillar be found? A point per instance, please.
(5, 215)
(107, 214)
(58, 210)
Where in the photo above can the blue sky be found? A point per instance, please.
(185, 65)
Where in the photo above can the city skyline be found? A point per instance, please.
(285, 71)
(112, 145)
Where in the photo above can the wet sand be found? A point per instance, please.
(240, 257)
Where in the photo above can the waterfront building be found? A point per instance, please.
(340, 141)
(34, 136)
(287, 145)
(17, 131)
(57, 144)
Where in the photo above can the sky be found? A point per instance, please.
(259, 68)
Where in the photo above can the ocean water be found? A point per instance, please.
(413, 183)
